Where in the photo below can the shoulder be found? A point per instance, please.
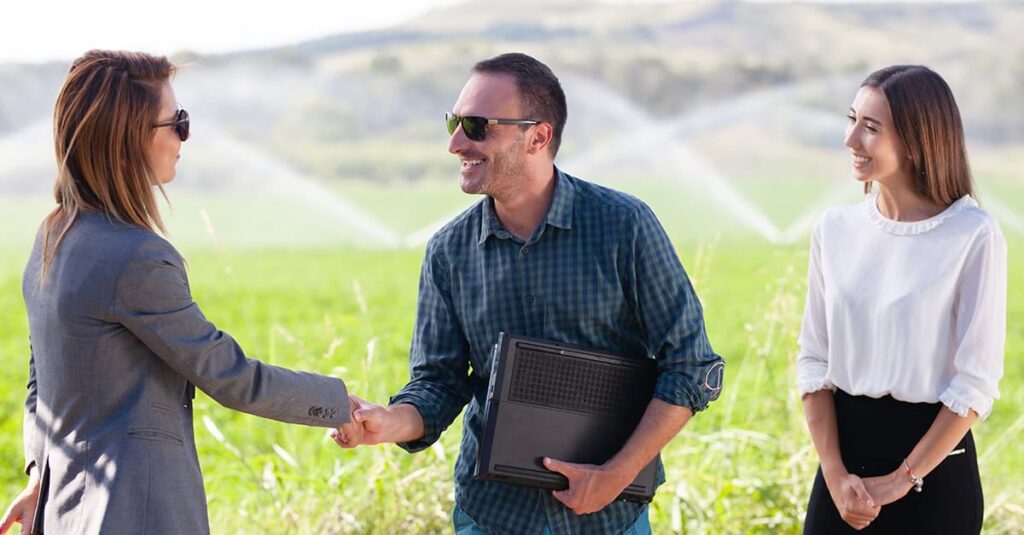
(604, 207)
(122, 247)
(606, 200)
(976, 220)
(841, 220)
(462, 230)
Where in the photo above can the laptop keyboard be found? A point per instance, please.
(570, 383)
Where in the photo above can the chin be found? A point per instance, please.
(472, 187)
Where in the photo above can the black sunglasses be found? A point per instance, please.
(180, 124)
(475, 128)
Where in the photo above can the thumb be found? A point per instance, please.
(862, 492)
(562, 467)
(7, 521)
(370, 417)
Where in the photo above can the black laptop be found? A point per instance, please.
(548, 399)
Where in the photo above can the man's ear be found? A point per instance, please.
(540, 138)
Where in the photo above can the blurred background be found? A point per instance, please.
(317, 170)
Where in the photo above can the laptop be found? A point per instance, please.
(548, 399)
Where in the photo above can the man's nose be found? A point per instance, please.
(458, 143)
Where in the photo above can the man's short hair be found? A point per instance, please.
(541, 96)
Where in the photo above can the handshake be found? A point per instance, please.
(370, 424)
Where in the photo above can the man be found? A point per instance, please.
(545, 255)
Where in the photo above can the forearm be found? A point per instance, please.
(946, 431)
(820, 412)
(661, 421)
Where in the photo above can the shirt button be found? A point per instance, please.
(526, 250)
(502, 235)
(529, 299)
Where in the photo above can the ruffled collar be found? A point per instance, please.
(910, 228)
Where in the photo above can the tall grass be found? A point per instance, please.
(743, 466)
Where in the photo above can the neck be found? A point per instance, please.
(522, 211)
(904, 204)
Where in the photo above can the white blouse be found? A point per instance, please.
(916, 310)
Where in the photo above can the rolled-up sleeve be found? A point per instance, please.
(980, 327)
(812, 361)
(439, 355)
(690, 374)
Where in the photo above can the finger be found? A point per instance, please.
(566, 469)
(7, 521)
(565, 497)
(351, 433)
(862, 492)
(361, 415)
(859, 517)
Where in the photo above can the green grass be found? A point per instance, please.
(743, 466)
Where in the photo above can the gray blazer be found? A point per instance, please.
(117, 345)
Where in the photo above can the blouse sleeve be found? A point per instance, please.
(980, 326)
(812, 362)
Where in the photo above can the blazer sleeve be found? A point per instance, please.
(152, 299)
(31, 430)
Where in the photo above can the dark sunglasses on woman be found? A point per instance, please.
(475, 128)
(180, 124)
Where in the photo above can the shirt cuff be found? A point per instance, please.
(680, 390)
(812, 375)
(961, 397)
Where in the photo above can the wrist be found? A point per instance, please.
(911, 480)
(833, 471)
(620, 471)
(406, 423)
(33, 477)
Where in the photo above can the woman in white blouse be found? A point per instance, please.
(903, 332)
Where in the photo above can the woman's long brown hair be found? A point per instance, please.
(928, 122)
(102, 129)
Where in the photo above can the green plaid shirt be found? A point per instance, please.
(599, 272)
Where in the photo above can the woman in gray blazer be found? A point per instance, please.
(118, 345)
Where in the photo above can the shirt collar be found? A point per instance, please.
(559, 213)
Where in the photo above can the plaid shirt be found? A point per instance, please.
(599, 272)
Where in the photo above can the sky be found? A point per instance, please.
(60, 30)
(48, 30)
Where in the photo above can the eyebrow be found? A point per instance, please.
(865, 117)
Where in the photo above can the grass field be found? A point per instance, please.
(744, 466)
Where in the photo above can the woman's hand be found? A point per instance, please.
(23, 509)
(888, 488)
(856, 505)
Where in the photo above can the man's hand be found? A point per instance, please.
(374, 424)
(591, 487)
(350, 435)
(23, 509)
(856, 505)
(888, 488)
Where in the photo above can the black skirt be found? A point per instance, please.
(875, 435)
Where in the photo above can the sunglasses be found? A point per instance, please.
(180, 124)
(475, 128)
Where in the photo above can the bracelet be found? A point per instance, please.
(918, 482)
